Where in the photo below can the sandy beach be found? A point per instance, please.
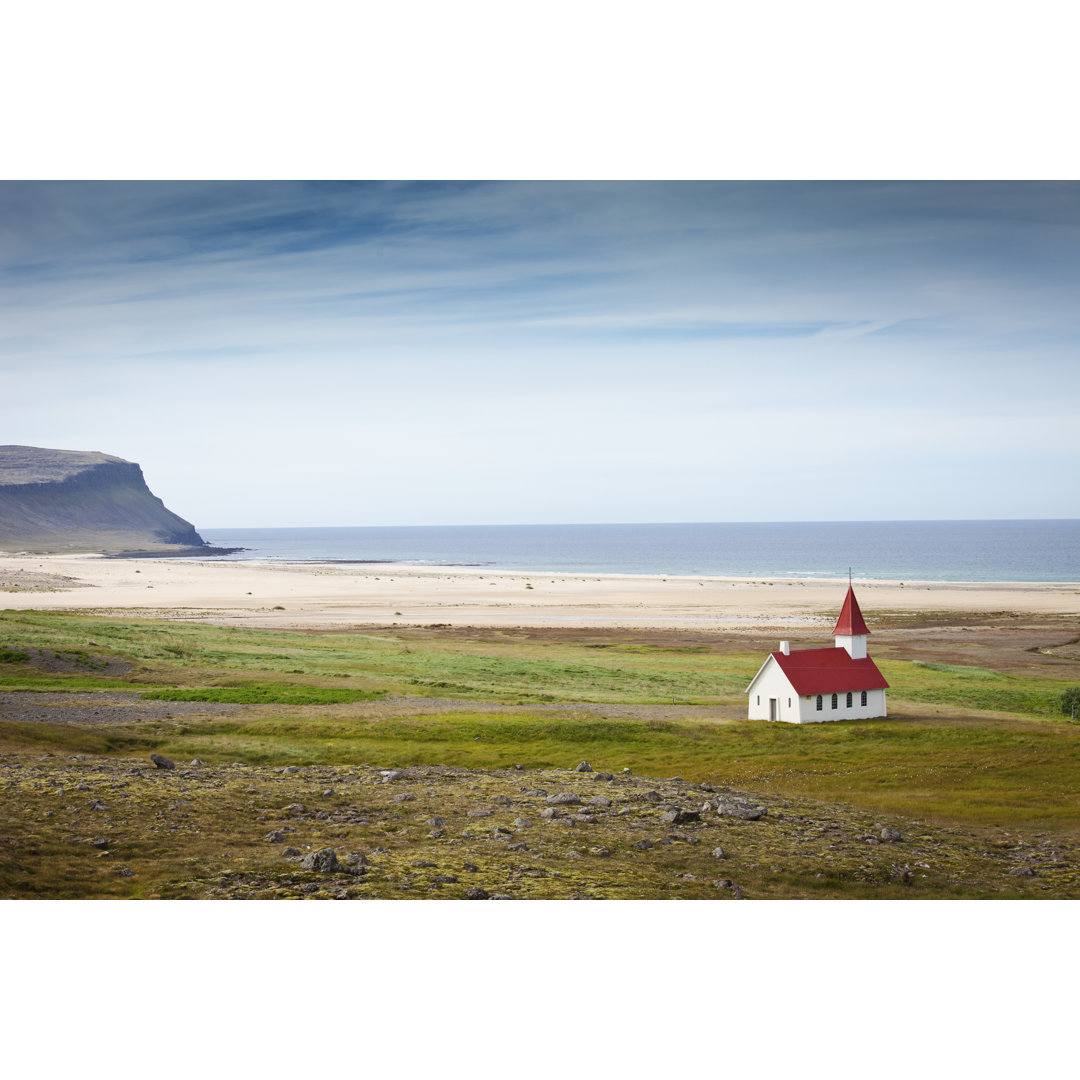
(291, 595)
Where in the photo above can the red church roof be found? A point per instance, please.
(851, 620)
(829, 671)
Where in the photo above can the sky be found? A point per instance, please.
(318, 354)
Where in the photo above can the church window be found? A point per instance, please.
(835, 701)
(863, 697)
(819, 703)
(847, 704)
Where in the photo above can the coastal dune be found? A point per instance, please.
(334, 595)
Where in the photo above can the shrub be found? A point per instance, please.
(1070, 701)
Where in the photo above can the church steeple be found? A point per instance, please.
(850, 630)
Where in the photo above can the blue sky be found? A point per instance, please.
(281, 354)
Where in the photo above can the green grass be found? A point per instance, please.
(492, 668)
(999, 773)
(998, 750)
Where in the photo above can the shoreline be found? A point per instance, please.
(335, 594)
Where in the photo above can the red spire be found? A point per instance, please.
(851, 620)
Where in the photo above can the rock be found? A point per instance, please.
(552, 812)
(522, 846)
(722, 883)
(643, 845)
(502, 800)
(275, 837)
(718, 853)
(422, 863)
(436, 834)
(357, 858)
(197, 761)
(123, 871)
(522, 823)
(472, 868)
(891, 836)
(436, 822)
(600, 800)
(405, 796)
(99, 842)
(677, 816)
(653, 796)
(603, 776)
(97, 804)
(601, 852)
(444, 879)
(740, 808)
(291, 853)
(325, 861)
(390, 775)
(476, 893)
(563, 798)
(480, 813)
(162, 762)
(736, 892)
(1022, 871)
(583, 766)
(329, 792)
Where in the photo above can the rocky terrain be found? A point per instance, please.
(70, 500)
(95, 825)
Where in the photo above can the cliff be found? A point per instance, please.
(72, 500)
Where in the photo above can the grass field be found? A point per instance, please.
(964, 746)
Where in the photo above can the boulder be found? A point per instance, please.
(583, 766)
(325, 861)
(476, 893)
(740, 808)
(162, 762)
(563, 798)
(891, 836)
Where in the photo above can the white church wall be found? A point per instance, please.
(772, 696)
(810, 714)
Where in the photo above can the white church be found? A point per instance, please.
(812, 685)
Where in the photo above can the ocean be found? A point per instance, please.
(1043, 550)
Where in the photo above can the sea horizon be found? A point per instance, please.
(977, 550)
